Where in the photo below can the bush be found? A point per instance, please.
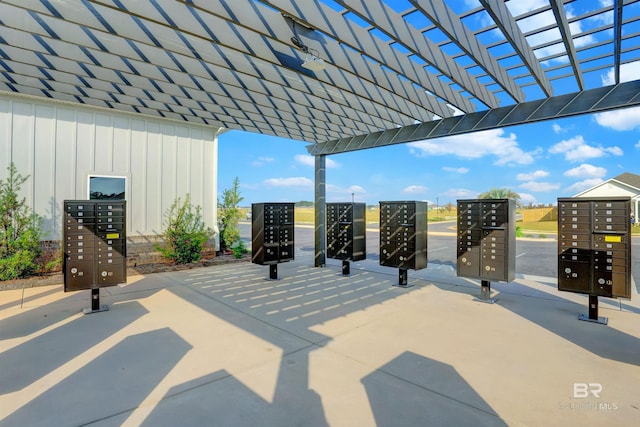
(229, 215)
(519, 232)
(239, 249)
(185, 232)
(19, 230)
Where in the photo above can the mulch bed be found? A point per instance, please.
(160, 267)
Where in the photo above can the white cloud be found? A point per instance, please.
(575, 149)
(307, 160)
(415, 189)
(620, 120)
(460, 193)
(472, 146)
(527, 199)
(586, 170)
(628, 118)
(557, 128)
(298, 181)
(340, 194)
(637, 145)
(455, 170)
(261, 161)
(539, 186)
(583, 185)
(532, 176)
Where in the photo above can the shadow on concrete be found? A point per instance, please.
(34, 297)
(561, 318)
(417, 391)
(26, 322)
(225, 401)
(104, 387)
(43, 354)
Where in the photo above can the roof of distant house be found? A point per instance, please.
(629, 179)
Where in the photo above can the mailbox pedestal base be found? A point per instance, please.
(403, 278)
(273, 271)
(593, 312)
(346, 268)
(485, 293)
(95, 303)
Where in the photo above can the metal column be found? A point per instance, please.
(320, 211)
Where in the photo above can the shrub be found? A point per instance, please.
(185, 232)
(229, 215)
(519, 232)
(19, 230)
(239, 249)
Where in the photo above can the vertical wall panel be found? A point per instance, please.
(154, 177)
(121, 145)
(44, 168)
(5, 136)
(138, 175)
(183, 163)
(168, 166)
(65, 171)
(60, 145)
(85, 153)
(103, 142)
(23, 141)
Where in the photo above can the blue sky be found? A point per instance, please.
(540, 161)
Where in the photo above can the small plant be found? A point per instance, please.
(239, 249)
(19, 230)
(185, 233)
(519, 232)
(229, 215)
(542, 236)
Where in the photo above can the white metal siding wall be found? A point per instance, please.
(59, 145)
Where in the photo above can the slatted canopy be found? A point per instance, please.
(342, 75)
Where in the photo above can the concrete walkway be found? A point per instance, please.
(225, 346)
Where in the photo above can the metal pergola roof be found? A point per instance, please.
(392, 68)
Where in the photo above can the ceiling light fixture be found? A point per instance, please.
(311, 61)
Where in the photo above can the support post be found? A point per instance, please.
(403, 278)
(320, 209)
(593, 312)
(485, 293)
(346, 268)
(273, 271)
(95, 303)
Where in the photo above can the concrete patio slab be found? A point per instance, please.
(224, 345)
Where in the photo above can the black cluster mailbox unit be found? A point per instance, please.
(486, 242)
(95, 249)
(346, 239)
(403, 237)
(594, 249)
(272, 231)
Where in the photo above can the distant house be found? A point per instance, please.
(626, 184)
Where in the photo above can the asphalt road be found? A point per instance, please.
(535, 257)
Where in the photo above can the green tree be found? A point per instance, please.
(19, 230)
(501, 193)
(185, 233)
(229, 215)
